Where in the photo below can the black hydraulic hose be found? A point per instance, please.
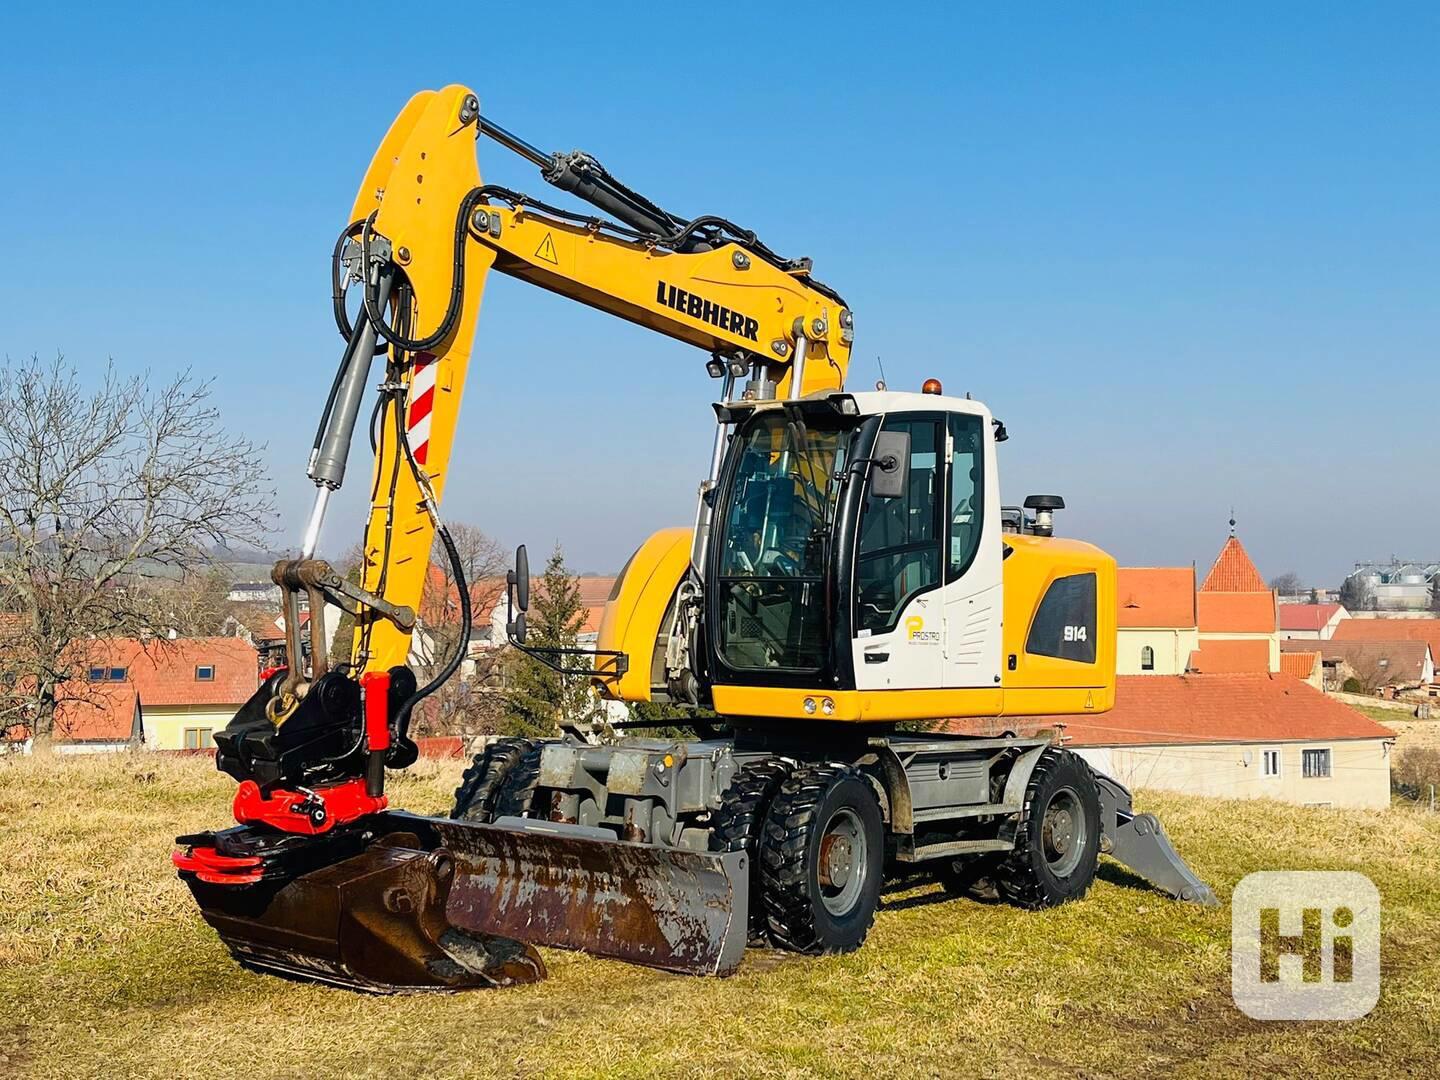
(457, 284)
(337, 288)
(462, 647)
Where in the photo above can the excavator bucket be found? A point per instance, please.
(374, 921)
(579, 888)
(436, 904)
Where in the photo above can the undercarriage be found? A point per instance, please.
(669, 853)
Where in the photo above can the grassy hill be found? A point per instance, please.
(106, 968)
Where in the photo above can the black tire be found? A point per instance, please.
(516, 794)
(809, 908)
(475, 797)
(1057, 845)
(740, 822)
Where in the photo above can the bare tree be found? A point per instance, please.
(1288, 584)
(194, 604)
(108, 490)
(461, 705)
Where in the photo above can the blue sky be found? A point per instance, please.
(1191, 257)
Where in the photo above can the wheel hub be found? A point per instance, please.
(836, 857)
(1064, 830)
(1059, 831)
(840, 863)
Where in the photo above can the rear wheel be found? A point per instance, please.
(821, 860)
(516, 794)
(475, 797)
(1057, 845)
(740, 822)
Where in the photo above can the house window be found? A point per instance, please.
(1316, 763)
(205, 672)
(97, 674)
(197, 738)
(1147, 659)
(117, 674)
(1270, 763)
(107, 674)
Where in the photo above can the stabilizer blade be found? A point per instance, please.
(578, 888)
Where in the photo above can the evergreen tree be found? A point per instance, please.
(537, 697)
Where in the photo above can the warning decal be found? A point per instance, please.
(546, 250)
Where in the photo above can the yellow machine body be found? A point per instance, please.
(637, 620)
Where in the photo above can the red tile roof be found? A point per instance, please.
(99, 712)
(1233, 571)
(1379, 663)
(1236, 612)
(1157, 596)
(1231, 657)
(1299, 664)
(1306, 616)
(157, 673)
(163, 670)
(1427, 630)
(1153, 710)
(260, 620)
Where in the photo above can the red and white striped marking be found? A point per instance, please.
(422, 404)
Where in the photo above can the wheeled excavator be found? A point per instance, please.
(851, 590)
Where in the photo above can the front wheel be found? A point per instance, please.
(1057, 844)
(821, 860)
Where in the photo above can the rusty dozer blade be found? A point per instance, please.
(575, 887)
(374, 922)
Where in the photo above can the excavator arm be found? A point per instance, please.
(426, 231)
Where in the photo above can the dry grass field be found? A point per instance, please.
(107, 970)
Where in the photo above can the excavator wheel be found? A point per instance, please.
(1057, 844)
(475, 797)
(516, 793)
(740, 821)
(821, 860)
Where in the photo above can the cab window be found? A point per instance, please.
(899, 550)
(967, 491)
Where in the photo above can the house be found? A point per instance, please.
(167, 694)
(1385, 667)
(1310, 622)
(255, 592)
(1251, 735)
(98, 719)
(1157, 622)
(1394, 629)
(1304, 665)
(260, 627)
(1238, 617)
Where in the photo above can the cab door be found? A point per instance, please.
(974, 554)
(899, 614)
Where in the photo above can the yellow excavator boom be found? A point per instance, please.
(423, 195)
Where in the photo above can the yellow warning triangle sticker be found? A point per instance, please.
(546, 250)
(1089, 700)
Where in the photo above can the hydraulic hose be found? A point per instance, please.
(462, 646)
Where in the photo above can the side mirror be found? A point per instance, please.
(517, 595)
(519, 579)
(890, 474)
